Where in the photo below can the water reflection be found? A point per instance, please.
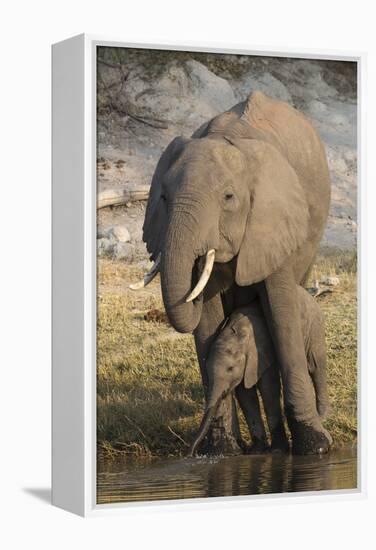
(134, 480)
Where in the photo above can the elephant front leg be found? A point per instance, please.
(250, 405)
(224, 434)
(280, 304)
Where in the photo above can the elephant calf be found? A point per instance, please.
(242, 358)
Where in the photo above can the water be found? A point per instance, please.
(132, 479)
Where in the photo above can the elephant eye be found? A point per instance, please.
(163, 197)
(230, 369)
(229, 196)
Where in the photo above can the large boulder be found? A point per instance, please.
(119, 233)
(184, 95)
(264, 82)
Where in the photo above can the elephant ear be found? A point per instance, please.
(154, 228)
(252, 363)
(260, 352)
(277, 222)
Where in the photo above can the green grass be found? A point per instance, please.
(150, 397)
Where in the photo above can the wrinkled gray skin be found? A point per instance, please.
(242, 357)
(253, 184)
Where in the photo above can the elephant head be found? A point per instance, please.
(229, 194)
(240, 354)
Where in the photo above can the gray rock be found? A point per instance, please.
(123, 251)
(329, 280)
(137, 235)
(182, 94)
(119, 233)
(265, 82)
(102, 232)
(215, 91)
(114, 233)
(105, 247)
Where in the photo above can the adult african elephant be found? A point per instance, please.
(237, 211)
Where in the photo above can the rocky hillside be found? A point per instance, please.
(145, 98)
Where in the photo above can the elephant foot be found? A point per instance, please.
(258, 446)
(307, 440)
(280, 443)
(242, 444)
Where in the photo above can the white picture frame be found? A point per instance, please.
(74, 276)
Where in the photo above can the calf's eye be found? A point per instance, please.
(229, 196)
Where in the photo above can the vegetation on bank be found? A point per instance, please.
(150, 398)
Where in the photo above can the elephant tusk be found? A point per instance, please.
(209, 262)
(149, 276)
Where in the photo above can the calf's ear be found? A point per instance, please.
(251, 367)
(259, 351)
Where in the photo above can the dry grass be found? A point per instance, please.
(150, 397)
(340, 309)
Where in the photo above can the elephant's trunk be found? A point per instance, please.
(203, 430)
(215, 396)
(178, 276)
